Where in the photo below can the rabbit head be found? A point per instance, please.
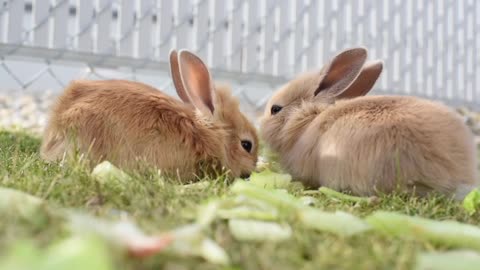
(216, 106)
(347, 75)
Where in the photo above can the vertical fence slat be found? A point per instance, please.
(183, 31)
(60, 23)
(144, 37)
(84, 25)
(444, 55)
(252, 42)
(201, 28)
(3, 20)
(165, 29)
(326, 37)
(15, 21)
(126, 27)
(313, 35)
(285, 38)
(401, 42)
(298, 35)
(475, 42)
(413, 60)
(340, 33)
(436, 51)
(409, 43)
(219, 34)
(423, 50)
(457, 65)
(268, 13)
(462, 59)
(40, 22)
(104, 19)
(454, 69)
(235, 34)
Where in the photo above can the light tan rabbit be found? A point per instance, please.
(327, 133)
(127, 122)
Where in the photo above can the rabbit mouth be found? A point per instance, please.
(245, 175)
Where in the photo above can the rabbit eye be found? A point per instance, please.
(247, 145)
(275, 109)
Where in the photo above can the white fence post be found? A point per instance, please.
(104, 19)
(202, 32)
(183, 28)
(84, 25)
(126, 26)
(40, 22)
(235, 34)
(218, 33)
(144, 36)
(268, 13)
(299, 44)
(165, 29)
(60, 23)
(313, 36)
(15, 21)
(253, 37)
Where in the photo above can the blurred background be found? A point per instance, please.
(430, 47)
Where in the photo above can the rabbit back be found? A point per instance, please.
(382, 142)
(122, 121)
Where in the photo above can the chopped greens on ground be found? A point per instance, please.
(448, 232)
(471, 202)
(345, 197)
(340, 223)
(260, 231)
(68, 215)
(447, 260)
(269, 179)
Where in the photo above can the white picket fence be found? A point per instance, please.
(430, 47)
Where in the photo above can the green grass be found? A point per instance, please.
(155, 204)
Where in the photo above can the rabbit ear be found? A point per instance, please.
(365, 80)
(177, 80)
(197, 81)
(341, 72)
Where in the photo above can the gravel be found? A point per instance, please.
(25, 110)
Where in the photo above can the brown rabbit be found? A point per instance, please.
(327, 133)
(126, 122)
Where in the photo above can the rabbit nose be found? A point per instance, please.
(245, 175)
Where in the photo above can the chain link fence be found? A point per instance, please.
(430, 48)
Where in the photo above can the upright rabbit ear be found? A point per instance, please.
(365, 80)
(177, 80)
(197, 81)
(341, 72)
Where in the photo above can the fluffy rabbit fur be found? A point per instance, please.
(327, 133)
(127, 122)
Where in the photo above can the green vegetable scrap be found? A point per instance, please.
(189, 240)
(71, 253)
(245, 212)
(339, 223)
(18, 203)
(471, 203)
(79, 253)
(457, 259)
(198, 186)
(260, 231)
(276, 198)
(106, 172)
(450, 233)
(269, 179)
(345, 197)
